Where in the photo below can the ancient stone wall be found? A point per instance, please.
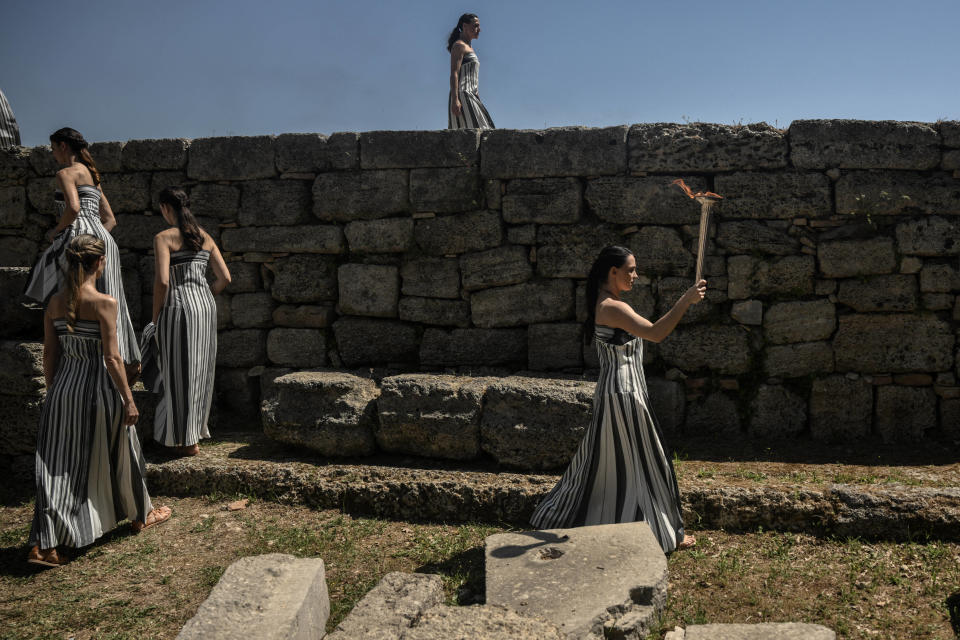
(833, 261)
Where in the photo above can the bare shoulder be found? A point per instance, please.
(208, 241)
(104, 303)
(56, 305)
(164, 237)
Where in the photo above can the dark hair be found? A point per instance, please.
(610, 256)
(82, 253)
(78, 145)
(176, 198)
(455, 34)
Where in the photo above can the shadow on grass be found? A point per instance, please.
(13, 559)
(953, 607)
(466, 568)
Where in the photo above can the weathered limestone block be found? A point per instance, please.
(522, 234)
(939, 278)
(896, 192)
(274, 596)
(160, 180)
(40, 195)
(237, 392)
(15, 164)
(776, 412)
(231, 158)
(950, 160)
(751, 276)
(154, 155)
(495, 267)
(561, 151)
(107, 155)
(21, 368)
(241, 348)
(748, 312)
(306, 316)
(841, 409)
(128, 192)
(446, 189)
(19, 417)
(308, 152)
(893, 343)
(715, 413)
(798, 359)
(568, 250)
(215, 200)
(136, 231)
(459, 233)
(363, 341)
(535, 423)
(950, 131)
(388, 235)
(779, 196)
(660, 250)
(42, 161)
(950, 418)
(474, 347)
(431, 278)
(704, 146)
(892, 292)
(932, 236)
(611, 571)
(671, 289)
(17, 319)
(763, 631)
(522, 304)
(331, 412)
(369, 290)
(848, 258)
(937, 301)
(799, 321)
(304, 279)
(748, 236)
(303, 348)
(647, 200)
(404, 149)
(13, 206)
(275, 202)
(244, 276)
(668, 404)
(724, 349)
(542, 201)
(17, 252)
(318, 238)
(222, 301)
(252, 310)
(552, 347)
(394, 605)
(863, 144)
(435, 311)
(430, 415)
(485, 621)
(360, 195)
(904, 413)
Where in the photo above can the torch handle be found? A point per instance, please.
(704, 229)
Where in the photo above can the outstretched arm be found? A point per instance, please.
(621, 315)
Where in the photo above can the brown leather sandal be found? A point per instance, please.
(688, 542)
(48, 558)
(158, 515)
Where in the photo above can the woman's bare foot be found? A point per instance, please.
(45, 557)
(688, 542)
(158, 515)
(190, 450)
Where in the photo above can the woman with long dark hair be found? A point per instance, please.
(465, 111)
(622, 471)
(183, 333)
(89, 468)
(82, 208)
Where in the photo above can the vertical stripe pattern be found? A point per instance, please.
(46, 277)
(473, 115)
(621, 471)
(90, 472)
(9, 130)
(185, 342)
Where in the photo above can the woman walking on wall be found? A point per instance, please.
(89, 467)
(621, 472)
(82, 208)
(465, 111)
(183, 333)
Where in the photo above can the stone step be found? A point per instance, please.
(18, 321)
(763, 631)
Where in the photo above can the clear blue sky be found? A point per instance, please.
(122, 69)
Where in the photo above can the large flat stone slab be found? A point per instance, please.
(264, 597)
(481, 622)
(584, 580)
(765, 631)
(390, 608)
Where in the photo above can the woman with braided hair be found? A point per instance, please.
(465, 111)
(180, 344)
(83, 208)
(89, 468)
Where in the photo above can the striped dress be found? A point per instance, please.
(9, 130)
(90, 472)
(473, 115)
(621, 472)
(46, 277)
(183, 344)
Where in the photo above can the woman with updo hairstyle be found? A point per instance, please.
(180, 343)
(465, 111)
(622, 471)
(82, 207)
(90, 471)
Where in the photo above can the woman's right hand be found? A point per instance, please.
(695, 294)
(457, 108)
(130, 413)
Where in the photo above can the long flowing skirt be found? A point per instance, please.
(473, 115)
